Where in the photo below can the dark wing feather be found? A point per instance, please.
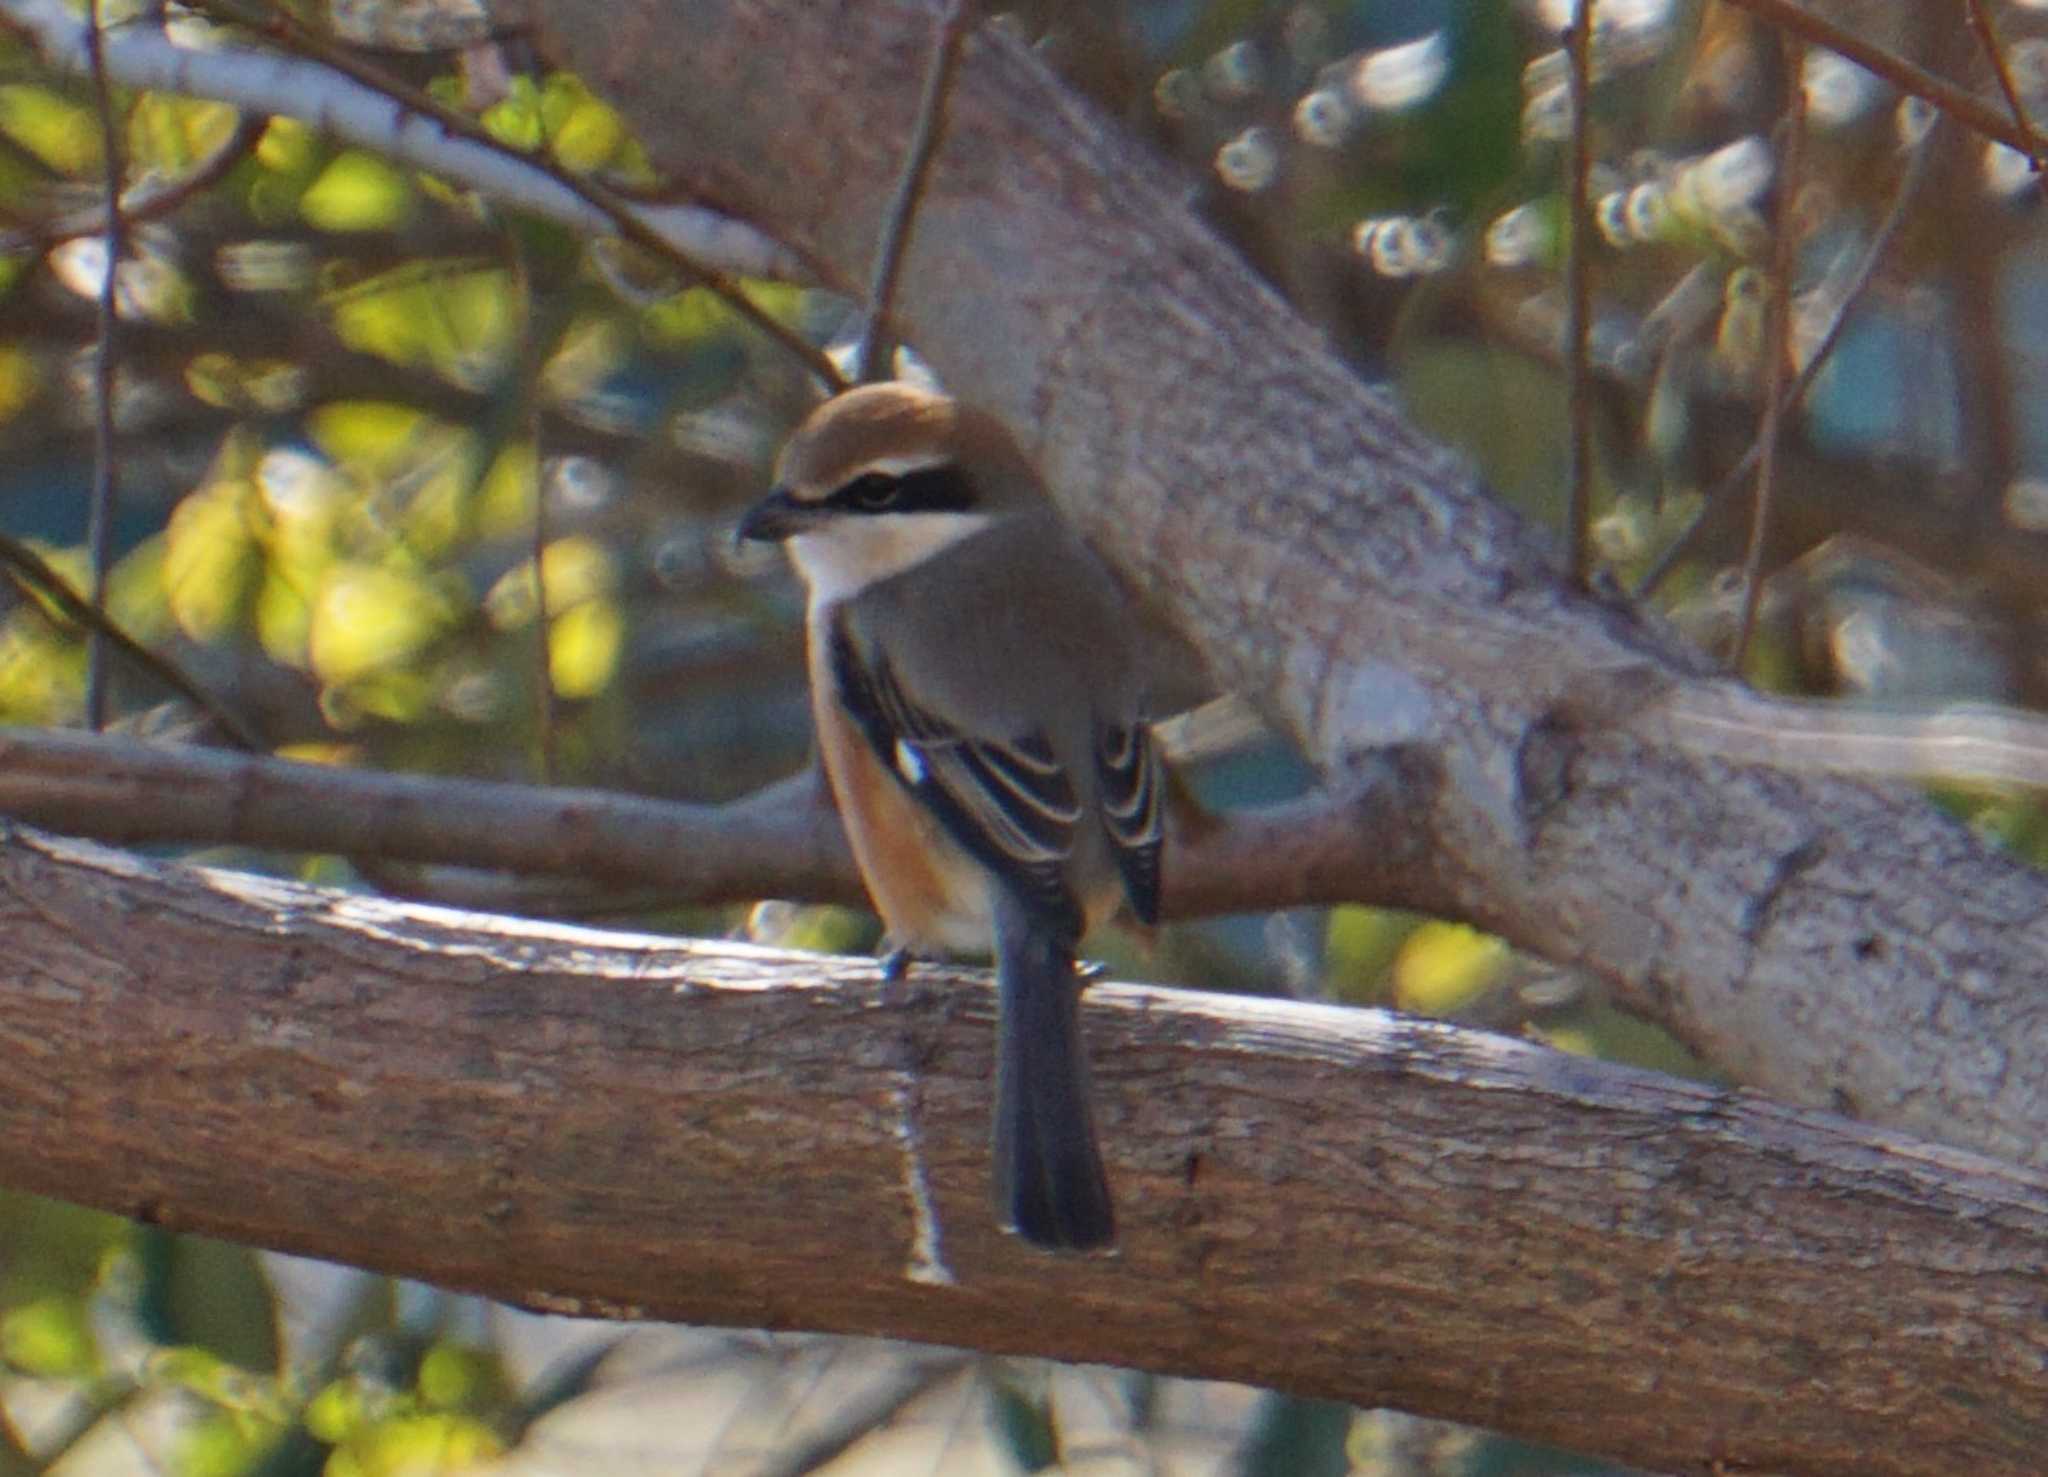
(1007, 803)
(1127, 762)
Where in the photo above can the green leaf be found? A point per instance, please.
(357, 192)
(50, 1337)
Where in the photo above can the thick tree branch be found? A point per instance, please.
(1830, 941)
(604, 1123)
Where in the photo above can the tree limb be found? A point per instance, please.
(1831, 942)
(783, 842)
(610, 1124)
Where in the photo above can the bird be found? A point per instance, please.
(980, 711)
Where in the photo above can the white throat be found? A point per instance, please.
(843, 558)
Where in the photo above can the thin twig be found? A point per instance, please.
(278, 26)
(1777, 340)
(1956, 101)
(546, 709)
(105, 488)
(1986, 27)
(1866, 269)
(1578, 50)
(33, 577)
(146, 200)
(924, 138)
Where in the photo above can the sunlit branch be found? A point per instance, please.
(632, 1127)
(1966, 743)
(696, 240)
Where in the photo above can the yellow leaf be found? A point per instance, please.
(49, 1337)
(287, 146)
(63, 134)
(357, 192)
(367, 619)
(1360, 946)
(506, 498)
(589, 137)
(375, 434)
(573, 570)
(18, 380)
(583, 648)
(1443, 966)
(210, 558)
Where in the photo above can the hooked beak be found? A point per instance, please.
(773, 519)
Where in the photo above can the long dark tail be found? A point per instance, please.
(1049, 1185)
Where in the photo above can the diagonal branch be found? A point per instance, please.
(1807, 20)
(264, 82)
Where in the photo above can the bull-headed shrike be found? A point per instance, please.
(979, 708)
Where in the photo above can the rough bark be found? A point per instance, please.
(1336, 1202)
(1827, 940)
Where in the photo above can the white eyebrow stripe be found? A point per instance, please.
(903, 463)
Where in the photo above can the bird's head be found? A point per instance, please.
(881, 478)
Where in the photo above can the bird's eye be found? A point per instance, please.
(871, 492)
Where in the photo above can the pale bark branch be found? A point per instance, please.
(1332, 1201)
(269, 83)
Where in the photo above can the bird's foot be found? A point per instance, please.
(895, 964)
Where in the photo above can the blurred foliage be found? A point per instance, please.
(418, 483)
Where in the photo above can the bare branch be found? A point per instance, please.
(34, 577)
(1806, 21)
(924, 137)
(1578, 51)
(105, 360)
(1986, 27)
(1339, 1201)
(1874, 254)
(293, 87)
(1777, 337)
(783, 842)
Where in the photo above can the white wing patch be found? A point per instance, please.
(909, 763)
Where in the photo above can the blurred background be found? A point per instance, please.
(413, 482)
